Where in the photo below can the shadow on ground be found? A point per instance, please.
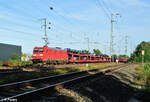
(103, 89)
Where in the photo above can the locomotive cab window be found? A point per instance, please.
(40, 50)
(36, 50)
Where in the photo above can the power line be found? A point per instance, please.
(101, 6)
(21, 17)
(67, 21)
(111, 4)
(64, 16)
(106, 6)
(68, 33)
(17, 31)
(96, 43)
(21, 38)
(17, 24)
(18, 10)
(29, 16)
(63, 29)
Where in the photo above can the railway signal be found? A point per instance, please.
(143, 53)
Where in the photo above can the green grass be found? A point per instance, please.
(97, 66)
(143, 78)
(1, 63)
(143, 73)
(91, 66)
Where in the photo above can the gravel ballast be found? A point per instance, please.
(118, 86)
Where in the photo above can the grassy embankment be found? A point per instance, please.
(143, 78)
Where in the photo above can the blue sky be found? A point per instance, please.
(74, 21)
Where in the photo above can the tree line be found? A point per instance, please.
(137, 56)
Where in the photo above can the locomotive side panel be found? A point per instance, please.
(48, 55)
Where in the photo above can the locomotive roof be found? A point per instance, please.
(75, 51)
(57, 48)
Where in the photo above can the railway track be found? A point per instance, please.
(32, 68)
(10, 71)
(26, 90)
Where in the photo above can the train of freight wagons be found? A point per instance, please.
(63, 56)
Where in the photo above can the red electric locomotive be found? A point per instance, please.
(57, 55)
(62, 56)
(49, 55)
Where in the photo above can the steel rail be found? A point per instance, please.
(63, 83)
(10, 71)
(50, 77)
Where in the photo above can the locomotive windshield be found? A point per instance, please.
(38, 50)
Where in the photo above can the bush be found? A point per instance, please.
(12, 63)
(15, 57)
(1, 63)
(143, 73)
(136, 56)
(16, 61)
(7, 63)
(25, 63)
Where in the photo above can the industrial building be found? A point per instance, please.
(7, 51)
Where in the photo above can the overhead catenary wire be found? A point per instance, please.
(30, 17)
(20, 17)
(63, 29)
(64, 17)
(74, 37)
(16, 23)
(10, 22)
(99, 4)
(106, 6)
(66, 20)
(111, 5)
(17, 31)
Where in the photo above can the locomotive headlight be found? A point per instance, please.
(41, 54)
(34, 54)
